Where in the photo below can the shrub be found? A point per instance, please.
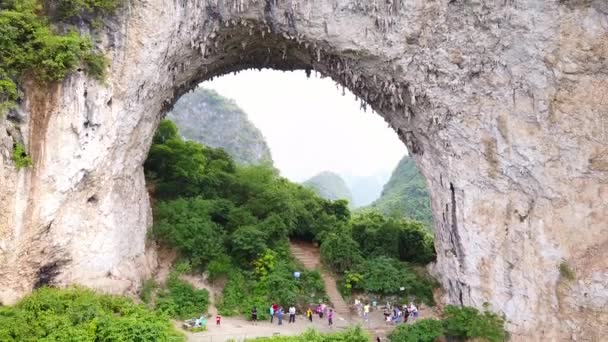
(147, 290)
(566, 272)
(220, 267)
(181, 300)
(77, 314)
(20, 157)
(76, 8)
(468, 323)
(425, 330)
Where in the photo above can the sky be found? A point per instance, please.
(310, 126)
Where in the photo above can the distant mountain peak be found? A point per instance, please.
(205, 116)
(329, 185)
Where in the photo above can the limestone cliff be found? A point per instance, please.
(213, 120)
(502, 105)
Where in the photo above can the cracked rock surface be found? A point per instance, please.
(503, 105)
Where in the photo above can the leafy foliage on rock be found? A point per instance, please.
(76, 314)
(30, 46)
(20, 157)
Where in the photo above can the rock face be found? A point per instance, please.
(406, 194)
(213, 120)
(502, 104)
(330, 186)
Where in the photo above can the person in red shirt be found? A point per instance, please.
(218, 319)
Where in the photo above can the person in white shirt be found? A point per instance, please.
(292, 314)
(413, 310)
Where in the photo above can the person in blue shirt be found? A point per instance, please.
(280, 315)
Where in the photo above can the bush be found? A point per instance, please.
(77, 8)
(468, 323)
(566, 272)
(147, 290)
(181, 300)
(77, 314)
(425, 330)
(20, 157)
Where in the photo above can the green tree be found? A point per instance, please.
(186, 225)
(248, 243)
(340, 252)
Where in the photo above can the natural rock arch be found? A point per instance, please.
(502, 106)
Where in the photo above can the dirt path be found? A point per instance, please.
(309, 256)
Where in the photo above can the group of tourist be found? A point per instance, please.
(401, 315)
(277, 311)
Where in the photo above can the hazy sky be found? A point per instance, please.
(310, 127)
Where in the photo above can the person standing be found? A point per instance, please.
(280, 315)
(218, 319)
(271, 312)
(309, 314)
(413, 311)
(292, 314)
(254, 315)
(366, 312)
(330, 317)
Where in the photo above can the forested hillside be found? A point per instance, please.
(213, 120)
(406, 195)
(330, 186)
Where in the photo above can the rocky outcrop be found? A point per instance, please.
(501, 103)
(213, 120)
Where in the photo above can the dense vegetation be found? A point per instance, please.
(329, 186)
(81, 315)
(234, 221)
(213, 120)
(460, 323)
(405, 195)
(30, 46)
(352, 335)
